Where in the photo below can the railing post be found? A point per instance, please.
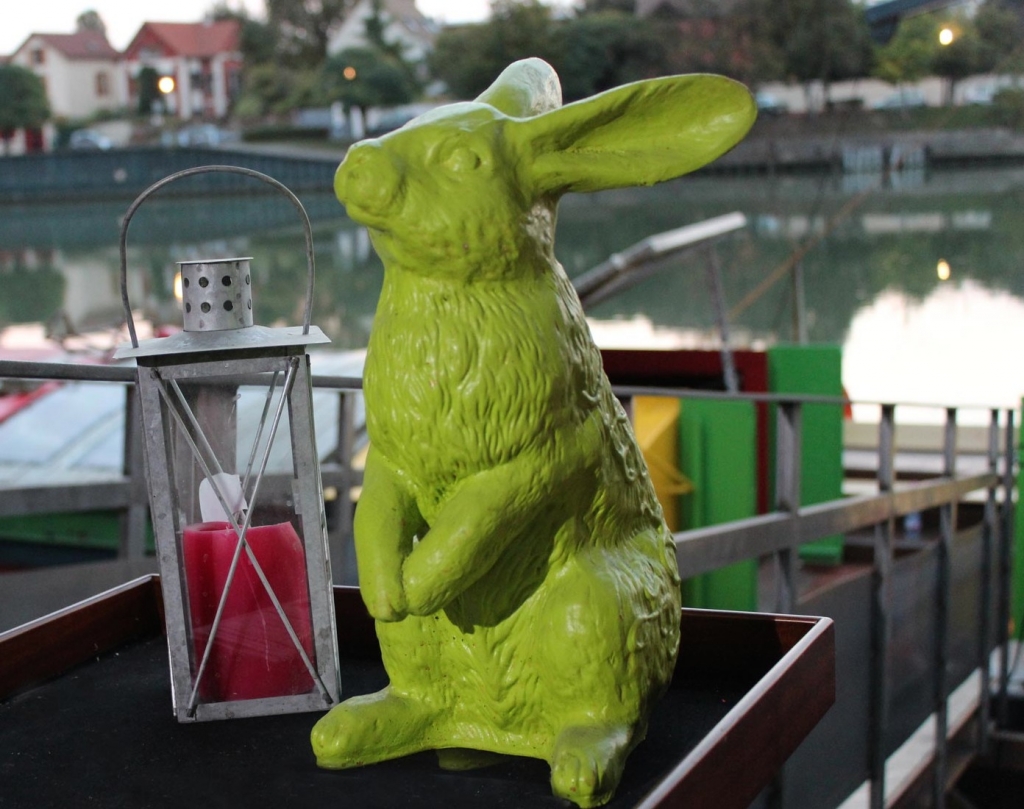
(988, 534)
(787, 498)
(1005, 573)
(943, 585)
(135, 516)
(881, 617)
(714, 278)
(799, 306)
(342, 553)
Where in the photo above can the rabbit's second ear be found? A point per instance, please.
(524, 88)
(637, 134)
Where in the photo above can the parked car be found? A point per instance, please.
(768, 105)
(904, 98)
(388, 121)
(203, 135)
(89, 139)
(979, 94)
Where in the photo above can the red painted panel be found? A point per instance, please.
(701, 370)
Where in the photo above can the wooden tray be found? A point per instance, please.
(85, 717)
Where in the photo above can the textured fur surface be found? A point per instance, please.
(509, 541)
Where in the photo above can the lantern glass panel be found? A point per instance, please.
(249, 622)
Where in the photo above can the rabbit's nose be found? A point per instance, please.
(368, 178)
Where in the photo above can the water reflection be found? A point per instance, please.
(870, 273)
(954, 347)
(60, 263)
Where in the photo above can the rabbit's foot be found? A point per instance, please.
(588, 761)
(371, 728)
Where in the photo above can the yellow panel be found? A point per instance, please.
(655, 421)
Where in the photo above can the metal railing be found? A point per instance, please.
(640, 261)
(126, 493)
(781, 533)
(777, 535)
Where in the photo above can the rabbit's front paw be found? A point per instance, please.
(425, 595)
(385, 599)
(588, 761)
(371, 728)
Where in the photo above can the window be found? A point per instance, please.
(201, 81)
(38, 56)
(102, 84)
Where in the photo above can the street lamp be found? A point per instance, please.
(235, 494)
(946, 36)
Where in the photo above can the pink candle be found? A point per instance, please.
(252, 656)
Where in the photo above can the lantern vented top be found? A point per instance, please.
(217, 307)
(216, 294)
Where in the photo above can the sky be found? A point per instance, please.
(123, 18)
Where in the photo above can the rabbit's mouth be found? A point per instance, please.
(358, 213)
(368, 184)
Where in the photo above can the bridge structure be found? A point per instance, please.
(123, 173)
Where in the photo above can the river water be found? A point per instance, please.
(871, 271)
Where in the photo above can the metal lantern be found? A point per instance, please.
(235, 495)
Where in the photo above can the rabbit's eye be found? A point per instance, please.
(462, 159)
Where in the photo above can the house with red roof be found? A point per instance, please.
(204, 60)
(80, 71)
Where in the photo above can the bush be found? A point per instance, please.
(278, 132)
(1008, 104)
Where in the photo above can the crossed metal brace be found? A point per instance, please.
(207, 459)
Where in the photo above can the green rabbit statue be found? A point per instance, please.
(509, 543)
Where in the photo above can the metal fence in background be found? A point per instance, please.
(913, 620)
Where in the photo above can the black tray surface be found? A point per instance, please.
(103, 735)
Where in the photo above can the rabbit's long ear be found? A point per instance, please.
(524, 88)
(637, 134)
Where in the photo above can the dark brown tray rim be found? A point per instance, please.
(741, 754)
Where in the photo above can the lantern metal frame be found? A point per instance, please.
(233, 356)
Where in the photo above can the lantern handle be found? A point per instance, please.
(310, 264)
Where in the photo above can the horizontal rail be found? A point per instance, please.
(702, 550)
(116, 493)
(109, 495)
(75, 372)
(63, 371)
(628, 267)
(66, 371)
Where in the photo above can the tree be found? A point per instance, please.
(599, 6)
(376, 25)
(258, 40)
(908, 56)
(599, 51)
(269, 89)
(1000, 25)
(149, 92)
(367, 77)
(468, 58)
(305, 27)
(709, 38)
(819, 40)
(23, 101)
(90, 21)
(962, 57)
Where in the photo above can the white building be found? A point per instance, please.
(80, 72)
(404, 24)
